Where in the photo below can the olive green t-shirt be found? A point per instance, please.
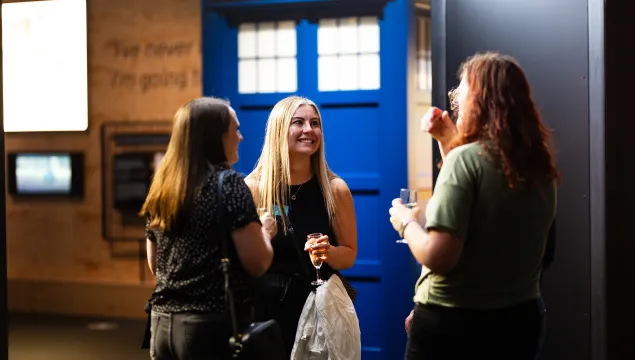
(504, 233)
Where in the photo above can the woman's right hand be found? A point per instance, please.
(409, 321)
(438, 123)
(269, 225)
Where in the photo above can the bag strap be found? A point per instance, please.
(299, 251)
(225, 263)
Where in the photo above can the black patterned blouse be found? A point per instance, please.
(188, 275)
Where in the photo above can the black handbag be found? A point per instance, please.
(350, 290)
(261, 340)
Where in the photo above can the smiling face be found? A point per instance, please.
(305, 131)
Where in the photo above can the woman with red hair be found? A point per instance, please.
(483, 241)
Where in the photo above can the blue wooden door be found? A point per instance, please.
(355, 70)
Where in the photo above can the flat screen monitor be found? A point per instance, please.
(46, 174)
(132, 175)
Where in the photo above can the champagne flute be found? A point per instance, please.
(409, 199)
(317, 259)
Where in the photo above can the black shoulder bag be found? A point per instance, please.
(261, 340)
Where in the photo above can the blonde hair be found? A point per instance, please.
(272, 173)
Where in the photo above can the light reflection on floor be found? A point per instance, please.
(52, 337)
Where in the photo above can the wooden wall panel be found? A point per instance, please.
(144, 62)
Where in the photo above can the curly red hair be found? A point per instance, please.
(499, 112)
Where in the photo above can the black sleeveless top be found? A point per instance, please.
(307, 214)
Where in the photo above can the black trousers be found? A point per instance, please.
(282, 298)
(513, 333)
(190, 336)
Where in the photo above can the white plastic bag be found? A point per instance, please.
(328, 328)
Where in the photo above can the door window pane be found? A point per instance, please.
(327, 37)
(266, 40)
(247, 78)
(266, 75)
(347, 40)
(369, 71)
(348, 72)
(286, 76)
(286, 43)
(328, 73)
(247, 41)
(368, 31)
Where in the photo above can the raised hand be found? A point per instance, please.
(439, 125)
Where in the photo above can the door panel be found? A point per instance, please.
(351, 136)
(368, 315)
(368, 212)
(252, 127)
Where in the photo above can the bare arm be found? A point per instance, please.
(254, 250)
(439, 251)
(435, 249)
(151, 253)
(444, 149)
(345, 227)
(448, 214)
(252, 243)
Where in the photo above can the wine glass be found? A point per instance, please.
(409, 199)
(317, 259)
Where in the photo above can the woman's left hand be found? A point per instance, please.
(318, 245)
(400, 213)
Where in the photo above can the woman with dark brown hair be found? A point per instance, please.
(189, 317)
(485, 233)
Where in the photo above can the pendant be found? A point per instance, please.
(293, 197)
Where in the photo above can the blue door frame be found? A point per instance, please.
(375, 170)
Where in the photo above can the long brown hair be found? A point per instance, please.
(499, 112)
(196, 143)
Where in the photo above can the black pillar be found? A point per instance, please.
(560, 44)
(4, 335)
(619, 132)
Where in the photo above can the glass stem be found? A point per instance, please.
(317, 271)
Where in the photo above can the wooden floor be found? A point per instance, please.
(48, 337)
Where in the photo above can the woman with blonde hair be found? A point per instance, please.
(483, 242)
(189, 316)
(293, 181)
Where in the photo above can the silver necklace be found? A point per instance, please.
(296, 192)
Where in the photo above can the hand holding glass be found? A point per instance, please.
(317, 257)
(409, 199)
